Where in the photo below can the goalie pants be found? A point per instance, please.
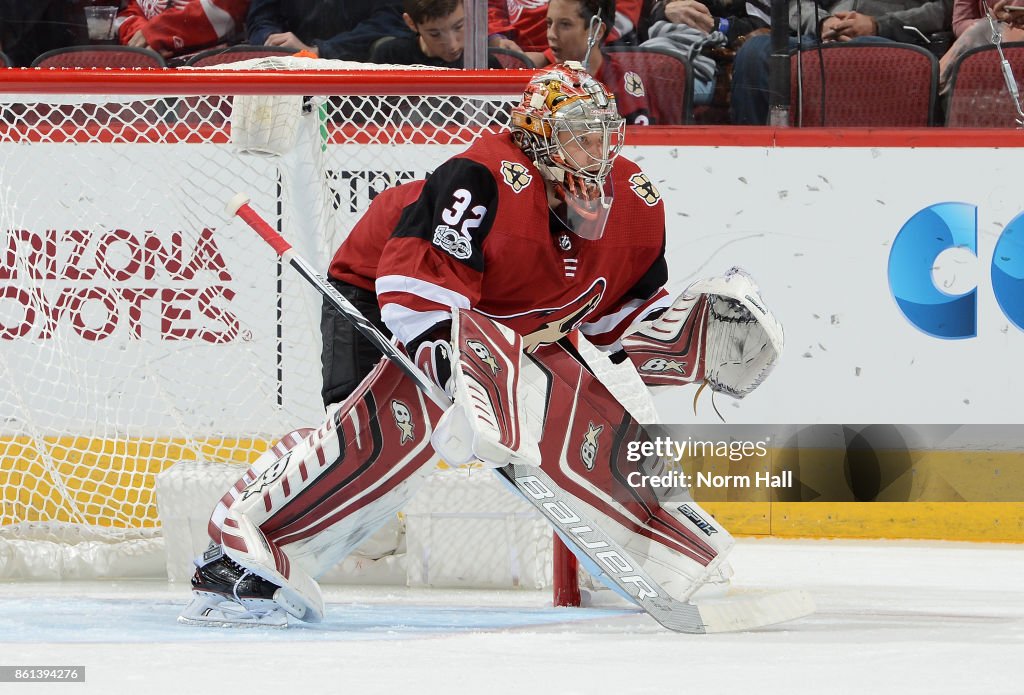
(346, 356)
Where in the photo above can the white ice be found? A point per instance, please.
(893, 617)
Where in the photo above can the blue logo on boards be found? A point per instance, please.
(1008, 271)
(926, 235)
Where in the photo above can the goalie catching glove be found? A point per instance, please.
(496, 417)
(717, 331)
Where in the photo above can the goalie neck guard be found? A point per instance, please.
(568, 123)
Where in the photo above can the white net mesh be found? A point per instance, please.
(139, 325)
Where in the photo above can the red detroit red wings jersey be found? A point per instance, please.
(626, 85)
(479, 235)
(525, 21)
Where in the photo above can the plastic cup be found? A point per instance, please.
(100, 22)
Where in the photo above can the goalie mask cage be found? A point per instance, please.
(146, 336)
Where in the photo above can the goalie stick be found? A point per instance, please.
(734, 614)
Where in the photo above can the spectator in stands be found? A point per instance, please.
(339, 29)
(439, 35)
(842, 20)
(734, 18)
(174, 27)
(521, 25)
(972, 28)
(967, 12)
(686, 26)
(29, 28)
(568, 23)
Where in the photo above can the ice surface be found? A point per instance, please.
(893, 617)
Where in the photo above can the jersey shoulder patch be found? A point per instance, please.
(644, 188)
(515, 175)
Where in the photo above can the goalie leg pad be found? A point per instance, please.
(588, 442)
(268, 458)
(498, 409)
(718, 330)
(331, 491)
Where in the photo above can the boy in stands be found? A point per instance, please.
(439, 35)
(481, 272)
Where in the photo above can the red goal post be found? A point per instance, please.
(149, 346)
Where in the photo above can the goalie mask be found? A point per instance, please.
(569, 125)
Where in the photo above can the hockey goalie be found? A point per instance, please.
(482, 272)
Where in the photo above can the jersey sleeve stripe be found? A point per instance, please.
(659, 301)
(407, 325)
(609, 328)
(610, 321)
(420, 288)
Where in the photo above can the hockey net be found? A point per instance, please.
(151, 345)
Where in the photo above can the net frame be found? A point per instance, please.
(89, 86)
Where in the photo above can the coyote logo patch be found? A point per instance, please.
(644, 188)
(633, 84)
(516, 175)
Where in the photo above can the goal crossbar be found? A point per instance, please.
(208, 82)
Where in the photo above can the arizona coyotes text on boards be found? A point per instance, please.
(102, 284)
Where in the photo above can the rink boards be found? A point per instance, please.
(814, 218)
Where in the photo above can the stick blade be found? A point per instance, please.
(741, 612)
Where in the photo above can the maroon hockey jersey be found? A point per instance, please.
(479, 234)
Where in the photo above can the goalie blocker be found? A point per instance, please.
(291, 519)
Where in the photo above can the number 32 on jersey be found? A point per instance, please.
(454, 234)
